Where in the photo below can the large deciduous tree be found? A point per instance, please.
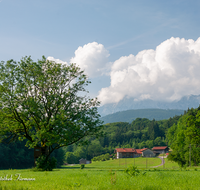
(46, 103)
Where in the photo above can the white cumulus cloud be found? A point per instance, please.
(92, 58)
(56, 60)
(167, 73)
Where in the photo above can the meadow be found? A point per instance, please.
(106, 175)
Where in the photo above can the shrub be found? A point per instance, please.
(94, 159)
(113, 178)
(46, 164)
(82, 166)
(102, 157)
(132, 171)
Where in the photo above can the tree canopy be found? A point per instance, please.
(184, 139)
(46, 103)
(137, 134)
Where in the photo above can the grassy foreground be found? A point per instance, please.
(103, 175)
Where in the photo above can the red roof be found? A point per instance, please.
(125, 149)
(159, 148)
(137, 151)
(143, 149)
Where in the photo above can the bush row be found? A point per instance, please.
(102, 157)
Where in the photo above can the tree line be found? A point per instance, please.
(180, 133)
(184, 139)
(137, 134)
(140, 133)
(16, 155)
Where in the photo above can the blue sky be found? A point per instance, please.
(123, 28)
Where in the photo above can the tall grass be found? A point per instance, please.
(103, 176)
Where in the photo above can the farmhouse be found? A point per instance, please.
(147, 153)
(84, 161)
(125, 152)
(133, 153)
(160, 149)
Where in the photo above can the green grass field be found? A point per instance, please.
(106, 175)
(169, 165)
(123, 163)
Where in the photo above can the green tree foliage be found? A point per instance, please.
(15, 155)
(59, 154)
(125, 135)
(154, 130)
(184, 138)
(102, 157)
(46, 103)
(48, 165)
(70, 158)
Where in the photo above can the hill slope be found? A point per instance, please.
(130, 115)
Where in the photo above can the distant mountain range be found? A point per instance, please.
(128, 104)
(130, 115)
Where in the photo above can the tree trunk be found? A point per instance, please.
(45, 151)
(40, 151)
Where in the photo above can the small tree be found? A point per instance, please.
(45, 102)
